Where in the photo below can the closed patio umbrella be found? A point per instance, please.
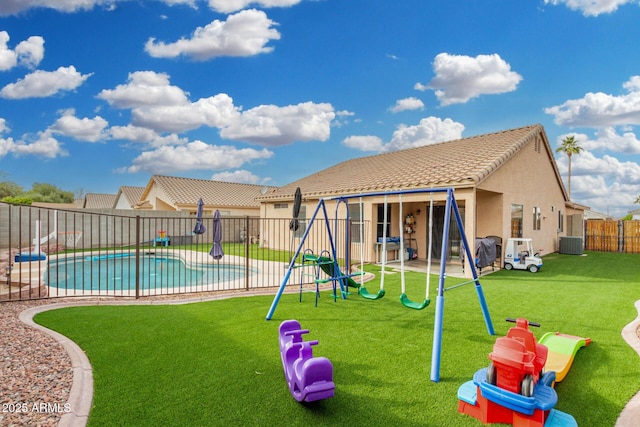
(294, 224)
(199, 227)
(216, 250)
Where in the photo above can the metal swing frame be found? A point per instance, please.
(341, 279)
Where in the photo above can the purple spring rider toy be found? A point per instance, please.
(309, 378)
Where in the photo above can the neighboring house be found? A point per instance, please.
(128, 197)
(635, 214)
(170, 193)
(589, 214)
(506, 184)
(98, 201)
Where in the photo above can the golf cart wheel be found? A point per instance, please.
(533, 268)
(508, 266)
(526, 387)
(491, 374)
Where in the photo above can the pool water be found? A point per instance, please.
(118, 272)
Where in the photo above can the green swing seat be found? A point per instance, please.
(404, 299)
(365, 294)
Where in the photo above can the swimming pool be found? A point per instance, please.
(117, 272)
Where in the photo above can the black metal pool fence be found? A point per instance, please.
(53, 253)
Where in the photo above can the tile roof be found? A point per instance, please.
(133, 194)
(453, 163)
(98, 201)
(187, 191)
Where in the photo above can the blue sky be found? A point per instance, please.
(96, 94)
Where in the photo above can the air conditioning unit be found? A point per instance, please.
(571, 245)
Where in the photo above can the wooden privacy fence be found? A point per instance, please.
(613, 236)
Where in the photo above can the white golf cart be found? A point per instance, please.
(519, 255)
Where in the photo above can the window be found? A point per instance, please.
(537, 217)
(281, 205)
(516, 220)
(302, 220)
(560, 222)
(380, 225)
(356, 221)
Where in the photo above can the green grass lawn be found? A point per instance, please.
(218, 362)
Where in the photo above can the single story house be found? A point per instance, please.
(128, 197)
(506, 184)
(589, 214)
(98, 201)
(171, 193)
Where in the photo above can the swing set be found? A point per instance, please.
(344, 280)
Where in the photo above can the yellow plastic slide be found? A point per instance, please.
(562, 350)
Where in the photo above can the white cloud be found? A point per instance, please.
(10, 7)
(144, 89)
(8, 58)
(606, 184)
(342, 118)
(160, 107)
(586, 164)
(45, 145)
(244, 34)
(30, 52)
(271, 125)
(191, 3)
(144, 135)
(601, 109)
(195, 155)
(430, 130)
(411, 103)
(41, 84)
(591, 7)
(608, 139)
(85, 129)
(27, 53)
(228, 6)
(215, 111)
(240, 175)
(612, 198)
(4, 128)
(459, 78)
(364, 143)
(5, 146)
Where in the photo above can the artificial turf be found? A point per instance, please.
(218, 362)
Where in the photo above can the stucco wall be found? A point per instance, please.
(123, 202)
(279, 237)
(528, 179)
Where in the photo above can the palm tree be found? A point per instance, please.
(569, 147)
(637, 201)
